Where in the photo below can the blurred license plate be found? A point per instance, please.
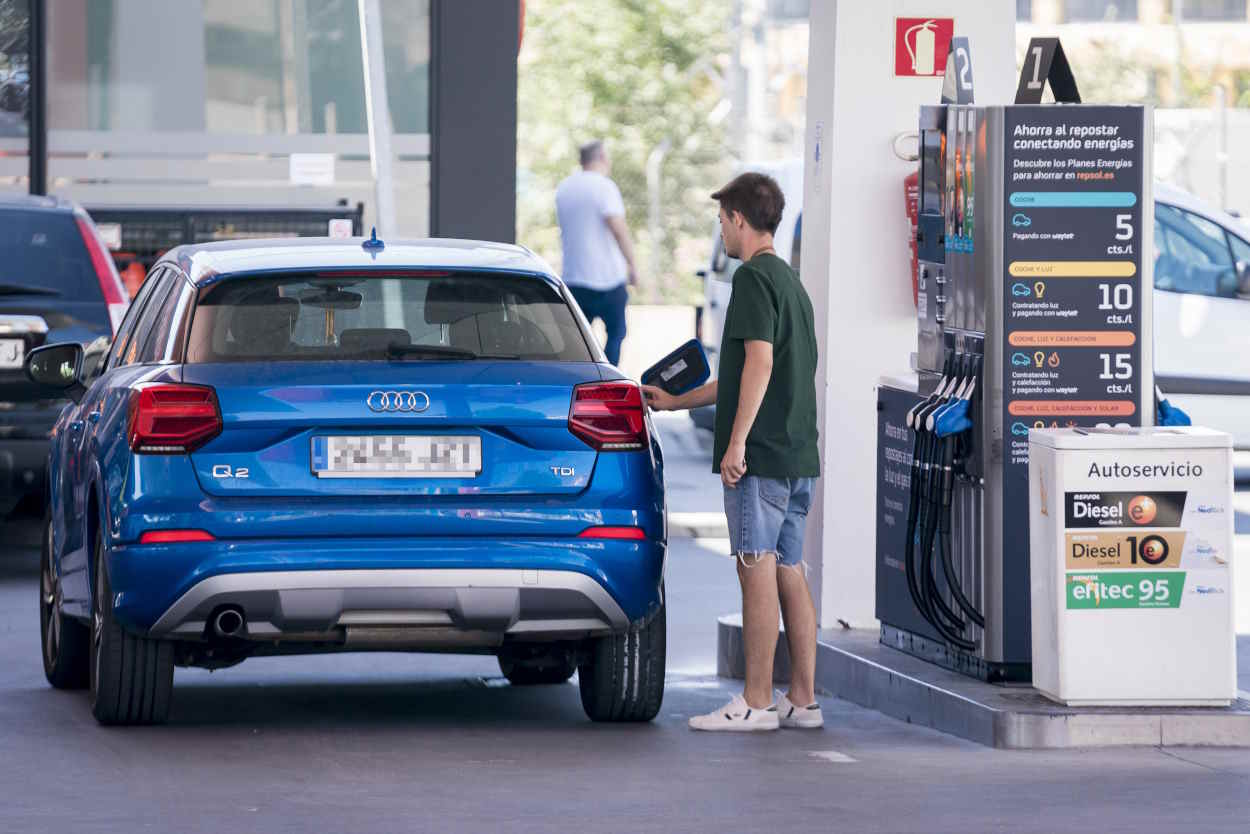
(396, 456)
(12, 353)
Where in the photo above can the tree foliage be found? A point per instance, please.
(635, 73)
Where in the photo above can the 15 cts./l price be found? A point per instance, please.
(1123, 366)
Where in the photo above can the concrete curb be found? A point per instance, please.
(854, 666)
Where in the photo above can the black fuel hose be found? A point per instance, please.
(931, 603)
(944, 541)
(937, 470)
(917, 480)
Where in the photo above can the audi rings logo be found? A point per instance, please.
(412, 402)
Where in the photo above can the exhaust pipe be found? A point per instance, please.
(229, 622)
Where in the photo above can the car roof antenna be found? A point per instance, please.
(373, 246)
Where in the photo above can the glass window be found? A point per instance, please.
(14, 69)
(1193, 254)
(1214, 10)
(122, 341)
(1024, 10)
(143, 328)
(1241, 258)
(406, 46)
(1110, 11)
(237, 66)
(796, 248)
(42, 253)
(1241, 249)
(157, 339)
(326, 317)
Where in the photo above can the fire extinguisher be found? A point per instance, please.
(924, 53)
(911, 195)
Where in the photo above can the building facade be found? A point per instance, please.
(263, 102)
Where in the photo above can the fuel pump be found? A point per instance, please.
(1016, 217)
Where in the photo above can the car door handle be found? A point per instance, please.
(94, 417)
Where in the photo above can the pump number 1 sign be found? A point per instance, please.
(920, 45)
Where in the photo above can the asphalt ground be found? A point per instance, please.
(392, 742)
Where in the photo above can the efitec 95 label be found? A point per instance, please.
(1155, 549)
(1124, 509)
(1156, 589)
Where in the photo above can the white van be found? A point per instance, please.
(1201, 302)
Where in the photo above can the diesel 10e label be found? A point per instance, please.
(1124, 550)
(1123, 509)
(1125, 590)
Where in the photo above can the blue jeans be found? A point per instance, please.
(768, 515)
(609, 306)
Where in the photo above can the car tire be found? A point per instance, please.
(622, 675)
(536, 667)
(132, 678)
(65, 643)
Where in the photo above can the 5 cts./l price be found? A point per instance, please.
(1123, 232)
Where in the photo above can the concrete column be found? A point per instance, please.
(856, 263)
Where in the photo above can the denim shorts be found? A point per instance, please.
(768, 515)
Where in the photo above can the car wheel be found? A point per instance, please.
(537, 666)
(622, 676)
(132, 678)
(65, 641)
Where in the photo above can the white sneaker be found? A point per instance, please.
(808, 718)
(737, 717)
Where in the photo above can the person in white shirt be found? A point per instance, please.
(598, 253)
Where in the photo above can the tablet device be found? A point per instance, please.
(682, 370)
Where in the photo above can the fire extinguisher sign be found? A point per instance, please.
(920, 45)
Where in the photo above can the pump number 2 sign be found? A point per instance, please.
(920, 45)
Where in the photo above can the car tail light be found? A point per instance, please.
(175, 536)
(609, 416)
(170, 419)
(628, 533)
(105, 271)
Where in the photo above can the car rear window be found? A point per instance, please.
(42, 252)
(430, 316)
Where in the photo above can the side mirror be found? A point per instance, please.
(57, 367)
(1243, 279)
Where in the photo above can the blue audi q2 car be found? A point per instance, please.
(313, 446)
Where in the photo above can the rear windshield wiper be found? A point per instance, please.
(18, 289)
(397, 351)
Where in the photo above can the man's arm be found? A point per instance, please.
(661, 400)
(756, 371)
(616, 223)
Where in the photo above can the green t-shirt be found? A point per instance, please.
(769, 304)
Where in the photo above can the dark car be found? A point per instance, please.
(313, 445)
(15, 93)
(57, 284)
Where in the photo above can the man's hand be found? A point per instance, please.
(734, 464)
(633, 277)
(659, 399)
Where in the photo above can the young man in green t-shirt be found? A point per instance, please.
(765, 451)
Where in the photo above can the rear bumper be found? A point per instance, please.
(442, 604)
(23, 467)
(522, 586)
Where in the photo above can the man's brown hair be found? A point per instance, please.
(757, 197)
